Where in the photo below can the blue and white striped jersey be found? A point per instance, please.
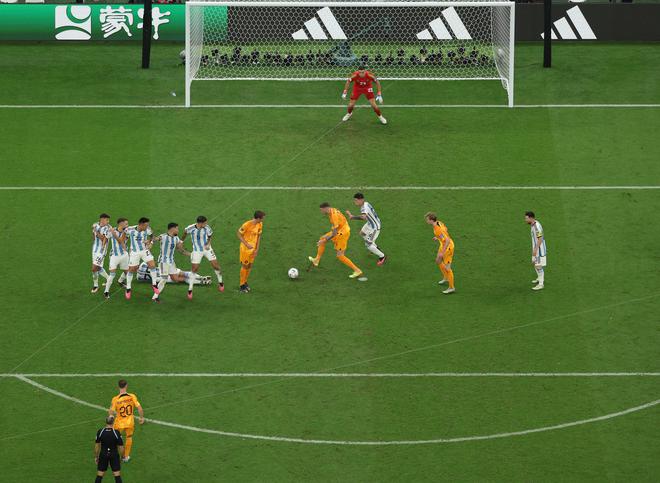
(116, 246)
(200, 236)
(100, 247)
(137, 240)
(168, 245)
(372, 218)
(537, 232)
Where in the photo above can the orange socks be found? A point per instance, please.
(346, 261)
(128, 444)
(245, 273)
(450, 278)
(319, 252)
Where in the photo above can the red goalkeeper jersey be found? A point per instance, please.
(362, 83)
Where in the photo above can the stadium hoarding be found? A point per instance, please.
(593, 22)
(89, 22)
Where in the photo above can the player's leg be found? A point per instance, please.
(114, 263)
(133, 262)
(115, 466)
(341, 243)
(376, 109)
(246, 266)
(539, 266)
(195, 259)
(210, 256)
(128, 443)
(449, 273)
(320, 249)
(369, 235)
(153, 270)
(351, 106)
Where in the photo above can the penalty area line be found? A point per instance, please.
(334, 188)
(328, 106)
(384, 375)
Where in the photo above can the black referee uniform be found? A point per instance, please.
(110, 440)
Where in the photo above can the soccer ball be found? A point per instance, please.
(293, 273)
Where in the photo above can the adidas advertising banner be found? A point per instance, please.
(592, 22)
(89, 22)
(607, 22)
(309, 24)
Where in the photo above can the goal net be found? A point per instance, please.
(300, 40)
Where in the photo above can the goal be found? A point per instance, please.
(302, 40)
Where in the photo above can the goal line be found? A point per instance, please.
(339, 375)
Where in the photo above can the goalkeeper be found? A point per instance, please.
(362, 81)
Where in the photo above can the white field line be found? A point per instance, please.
(328, 106)
(348, 442)
(331, 188)
(329, 375)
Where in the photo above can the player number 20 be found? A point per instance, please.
(125, 411)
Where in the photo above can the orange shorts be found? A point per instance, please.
(449, 254)
(340, 241)
(247, 256)
(127, 428)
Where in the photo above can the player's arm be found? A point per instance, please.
(346, 86)
(379, 96)
(444, 244)
(537, 245)
(181, 249)
(257, 244)
(208, 242)
(97, 451)
(141, 413)
(333, 233)
(351, 216)
(243, 240)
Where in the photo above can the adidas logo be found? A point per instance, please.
(565, 32)
(315, 30)
(440, 31)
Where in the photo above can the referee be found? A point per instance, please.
(107, 449)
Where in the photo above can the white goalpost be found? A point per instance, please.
(308, 41)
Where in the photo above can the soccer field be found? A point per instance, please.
(325, 378)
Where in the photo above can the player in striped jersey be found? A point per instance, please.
(371, 228)
(539, 251)
(99, 249)
(118, 254)
(200, 234)
(169, 243)
(142, 275)
(140, 239)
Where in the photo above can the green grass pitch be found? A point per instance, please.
(597, 314)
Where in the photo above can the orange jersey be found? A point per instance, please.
(338, 221)
(440, 231)
(251, 232)
(124, 405)
(362, 82)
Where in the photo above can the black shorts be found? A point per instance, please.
(105, 460)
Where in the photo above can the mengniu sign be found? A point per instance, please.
(89, 22)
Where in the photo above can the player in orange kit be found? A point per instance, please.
(122, 407)
(362, 81)
(339, 234)
(445, 251)
(250, 236)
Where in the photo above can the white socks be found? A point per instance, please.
(218, 274)
(95, 279)
(153, 273)
(108, 284)
(541, 275)
(129, 280)
(374, 249)
(122, 277)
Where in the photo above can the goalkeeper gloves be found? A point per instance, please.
(379, 98)
(343, 95)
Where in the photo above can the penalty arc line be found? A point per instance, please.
(348, 442)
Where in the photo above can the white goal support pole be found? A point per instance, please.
(311, 41)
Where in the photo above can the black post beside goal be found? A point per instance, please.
(146, 34)
(547, 33)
